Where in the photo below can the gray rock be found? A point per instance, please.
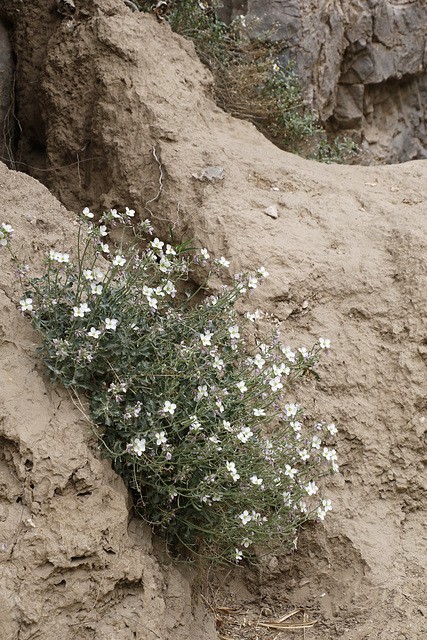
(353, 58)
(6, 96)
(271, 211)
(213, 174)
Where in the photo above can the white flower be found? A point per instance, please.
(103, 230)
(234, 332)
(87, 273)
(152, 303)
(231, 467)
(252, 283)
(204, 253)
(206, 338)
(87, 212)
(170, 251)
(259, 412)
(329, 454)
(160, 438)
(259, 361)
(220, 406)
(245, 434)
(98, 274)
(158, 291)
(164, 265)
(218, 363)
(327, 505)
(119, 261)
(291, 409)
(26, 304)
(290, 472)
(79, 312)
(105, 248)
(93, 333)
(311, 488)
(202, 391)
(303, 351)
(287, 498)
(304, 454)
(195, 424)
(114, 213)
(6, 231)
(324, 343)
(223, 262)
(147, 291)
(280, 369)
(169, 407)
(332, 429)
(250, 316)
(275, 67)
(296, 426)
(96, 288)
(139, 446)
(245, 517)
(275, 384)
(316, 442)
(290, 355)
(241, 386)
(262, 272)
(256, 480)
(169, 288)
(111, 323)
(157, 244)
(238, 555)
(320, 513)
(130, 212)
(227, 425)
(246, 542)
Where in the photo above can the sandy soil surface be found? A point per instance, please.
(347, 260)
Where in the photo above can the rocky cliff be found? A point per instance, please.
(362, 65)
(117, 110)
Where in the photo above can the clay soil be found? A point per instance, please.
(128, 120)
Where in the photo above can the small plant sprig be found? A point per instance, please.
(180, 400)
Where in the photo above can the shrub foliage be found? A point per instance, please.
(181, 401)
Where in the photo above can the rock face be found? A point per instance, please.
(123, 115)
(362, 65)
(7, 89)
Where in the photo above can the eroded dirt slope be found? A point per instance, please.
(347, 260)
(71, 564)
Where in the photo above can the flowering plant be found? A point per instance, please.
(180, 398)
